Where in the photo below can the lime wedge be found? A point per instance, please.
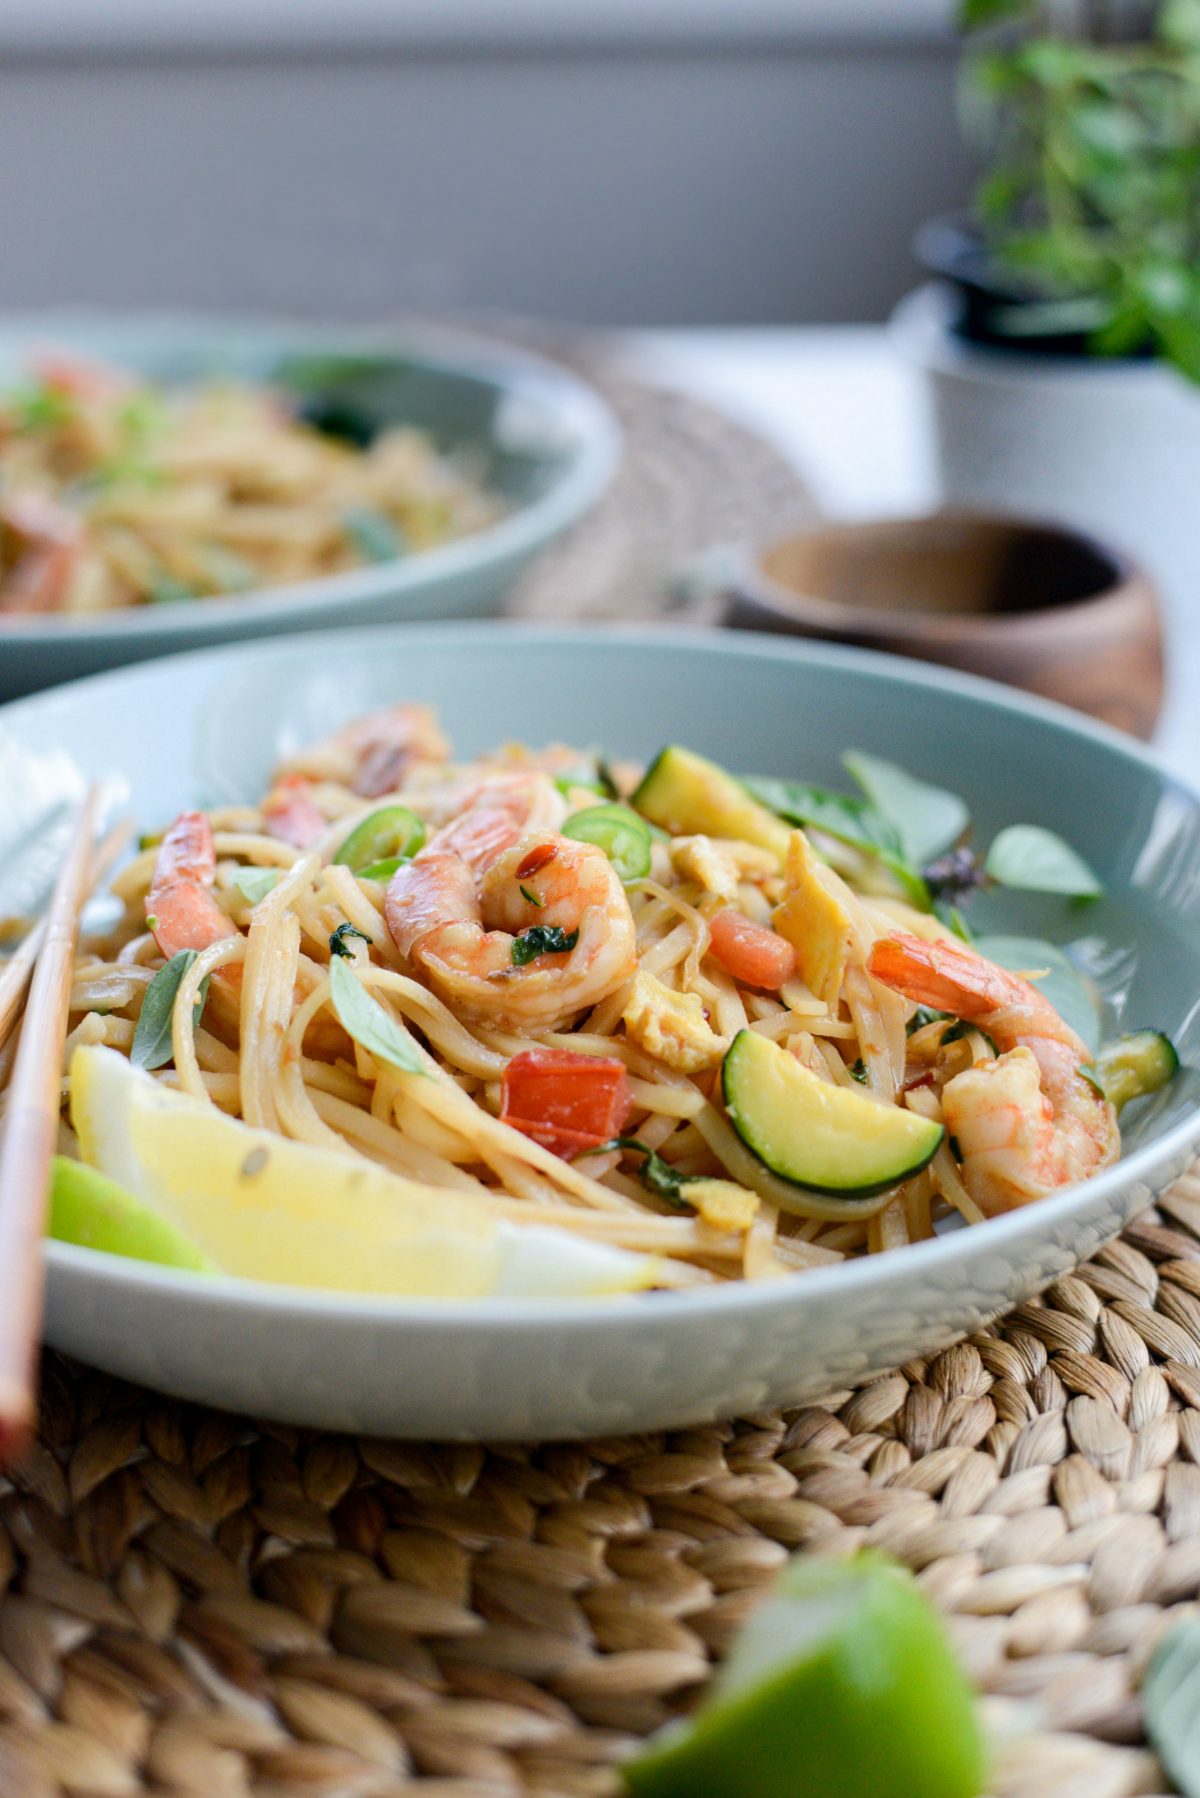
(96, 1213)
(842, 1685)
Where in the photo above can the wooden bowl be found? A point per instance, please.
(1034, 605)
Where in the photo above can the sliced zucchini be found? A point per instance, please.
(825, 1138)
(1131, 1066)
(688, 796)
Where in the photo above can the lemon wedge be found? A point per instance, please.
(266, 1208)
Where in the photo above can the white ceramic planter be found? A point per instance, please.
(1110, 447)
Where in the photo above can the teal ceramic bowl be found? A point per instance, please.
(546, 443)
(208, 727)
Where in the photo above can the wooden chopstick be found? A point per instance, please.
(18, 967)
(15, 978)
(28, 1141)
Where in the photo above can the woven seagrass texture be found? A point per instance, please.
(199, 1604)
(691, 481)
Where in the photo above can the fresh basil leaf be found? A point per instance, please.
(952, 918)
(961, 1028)
(1069, 991)
(926, 819)
(337, 942)
(1037, 861)
(922, 1016)
(1171, 1704)
(363, 1018)
(656, 1175)
(373, 534)
(255, 883)
(837, 814)
(542, 939)
(846, 820)
(152, 1038)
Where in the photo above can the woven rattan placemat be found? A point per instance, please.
(205, 1605)
(202, 1604)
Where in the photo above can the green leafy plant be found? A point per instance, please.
(1089, 115)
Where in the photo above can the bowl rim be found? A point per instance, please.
(449, 349)
(751, 583)
(482, 1316)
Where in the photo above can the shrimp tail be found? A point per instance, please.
(942, 974)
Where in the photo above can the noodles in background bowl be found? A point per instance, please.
(115, 492)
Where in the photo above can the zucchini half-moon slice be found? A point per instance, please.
(825, 1138)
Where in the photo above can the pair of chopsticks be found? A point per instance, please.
(44, 963)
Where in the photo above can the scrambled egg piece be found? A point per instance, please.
(722, 1204)
(671, 1027)
(814, 920)
(699, 859)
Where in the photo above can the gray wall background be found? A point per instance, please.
(744, 182)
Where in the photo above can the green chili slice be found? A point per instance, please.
(623, 836)
(388, 834)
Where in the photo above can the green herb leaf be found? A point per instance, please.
(363, 1018)
(337, 942)
(255, 883)
(837, 814)
(952, 918)
(923, 1016)
(605, 778)
(165, 590)
(1071, 994)
(542, 939)
(229, 573)
(532, 898)
(1037, 861)
(373, 534)
(926, 819)
(152, 1037)
(846, 820)
(656, 1175)
(859, 1072)
(41, 407)
(1171, 1703)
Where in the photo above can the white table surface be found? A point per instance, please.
(850, 412)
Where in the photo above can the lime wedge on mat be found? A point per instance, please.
(270, 1209)
(96, 1213)
(842, 1685)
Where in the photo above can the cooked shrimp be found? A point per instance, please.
(40, 545)
(292, 814)
(180, 908)
(1031, 1120)
(376, 753)
(460, 925)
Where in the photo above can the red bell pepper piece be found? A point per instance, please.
(567, 1102)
